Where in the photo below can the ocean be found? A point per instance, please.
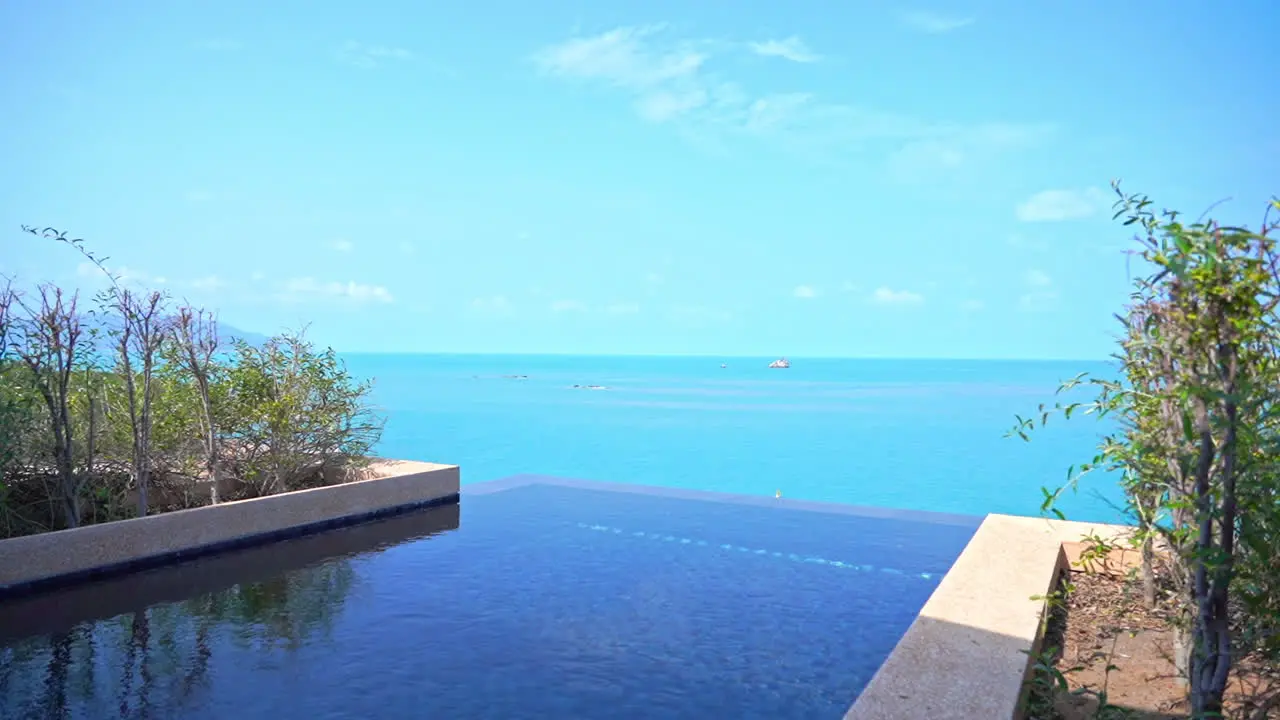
(909, 434)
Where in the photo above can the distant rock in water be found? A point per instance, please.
(515, 377)
(723, 365)
(780, 364)
(590, 387)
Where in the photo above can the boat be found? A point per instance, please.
(780, 364)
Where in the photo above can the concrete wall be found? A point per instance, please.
(38, 562)
(48, 613)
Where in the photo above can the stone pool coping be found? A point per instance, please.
(966, 654)
(35, 563)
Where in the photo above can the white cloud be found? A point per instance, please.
(258, 276)
(408, 248)
(1061, 205)
(622, 57)
(1023, 242)
(943, 149)
(88, 270)
(792, 48)
(805, 292)
(925, 158)
(209, 283)
(140, 280)
(671, 80)
(562, 306)
(494, 304)
(849, 287)
(665, 81)
(776, 111)
(370, 56)
(341, 245)
(123, 274)
(1038, 278)
(1041, 296)
(307, 288)
(654, 278)
(887, 296)
(575, 306)
(933, 23)
(661, 106)
(972, 305)
(1039, 301)
(697, 316)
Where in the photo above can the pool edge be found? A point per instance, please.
(969, 651)
(512, 482)
(48, 561)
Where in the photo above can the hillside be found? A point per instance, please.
(227, 333)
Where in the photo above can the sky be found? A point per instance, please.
(855, 179)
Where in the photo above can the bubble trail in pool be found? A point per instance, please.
(661, 537)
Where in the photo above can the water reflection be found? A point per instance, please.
(140, 646)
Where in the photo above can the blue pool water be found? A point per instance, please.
(540, 601)
(916, 434)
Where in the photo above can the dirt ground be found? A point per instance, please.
(1107, 624)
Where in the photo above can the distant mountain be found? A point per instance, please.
(230, 332)
(226, 333)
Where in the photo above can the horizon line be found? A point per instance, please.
(898, 358)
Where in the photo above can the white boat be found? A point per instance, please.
(780, 364)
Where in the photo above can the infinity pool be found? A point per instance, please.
(531, 599)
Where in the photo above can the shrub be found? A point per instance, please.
(99, 409)
(294, 414)
(1199, 445)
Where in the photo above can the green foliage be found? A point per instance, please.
(1097, 550)
(20, 431)
(1198, 445)
(291, 412)
(1047, 683)
(279, 417)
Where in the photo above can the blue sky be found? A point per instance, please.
(803, 178)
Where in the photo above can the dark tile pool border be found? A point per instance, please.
(921, 516)
(151, 562)
(128, 546)
(46, 613)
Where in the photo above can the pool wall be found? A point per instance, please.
(37, 562)
(969, 652)
(49, 613)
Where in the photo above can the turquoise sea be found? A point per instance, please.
(911, 434)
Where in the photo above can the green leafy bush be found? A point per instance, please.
(1198, 449)
(138, 404)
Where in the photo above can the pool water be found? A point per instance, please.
(540, 600)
